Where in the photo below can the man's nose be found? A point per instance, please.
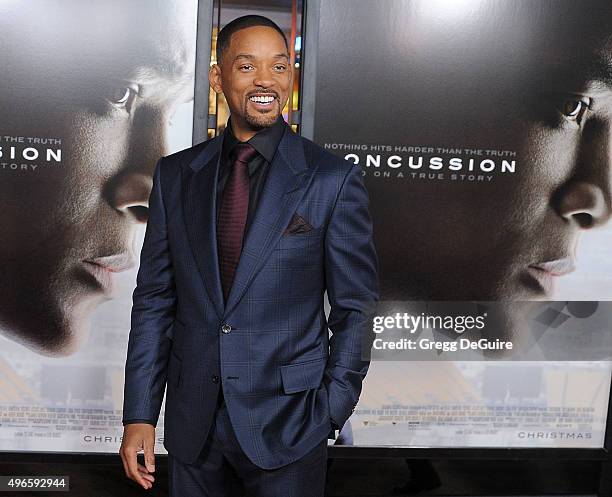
(263, 78)
(130, 195)
(586, 199)
(584, 204)
(128, 191)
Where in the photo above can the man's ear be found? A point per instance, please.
(214, 78)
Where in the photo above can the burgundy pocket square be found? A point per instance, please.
(297, 225)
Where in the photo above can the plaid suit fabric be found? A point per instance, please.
(268, 345)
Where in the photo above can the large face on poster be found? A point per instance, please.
(487, 129)
(86, 95)
(484, 130)
(92, 94)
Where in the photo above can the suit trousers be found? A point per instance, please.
(223, 470)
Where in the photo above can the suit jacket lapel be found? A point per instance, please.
(285, 185)
(199, 200)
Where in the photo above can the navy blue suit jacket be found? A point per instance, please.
(268, 346)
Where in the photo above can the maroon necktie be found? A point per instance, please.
(233, 214)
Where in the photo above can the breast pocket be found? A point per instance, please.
(310, 238)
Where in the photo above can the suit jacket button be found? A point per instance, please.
(215, 378)
(226, 328)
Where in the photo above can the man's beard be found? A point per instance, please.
(260, 121)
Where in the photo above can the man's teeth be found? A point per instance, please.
(261, 100)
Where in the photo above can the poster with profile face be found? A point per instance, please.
(483, 131)
(92, 94)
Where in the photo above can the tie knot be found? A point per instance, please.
(243, 152)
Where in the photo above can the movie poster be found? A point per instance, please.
(91, 95)
(484, 133)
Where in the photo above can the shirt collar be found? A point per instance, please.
(265, 141)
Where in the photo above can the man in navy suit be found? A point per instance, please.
(246, 232)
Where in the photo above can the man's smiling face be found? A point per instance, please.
(255, 77)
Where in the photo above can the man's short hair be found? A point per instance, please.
(225, 35)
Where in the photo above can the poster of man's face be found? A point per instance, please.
(89, 92)
(483, 128)
(484, 131)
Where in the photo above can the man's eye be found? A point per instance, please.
(279, 67)
(574, 109)
(246, 67)
(122, 96)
